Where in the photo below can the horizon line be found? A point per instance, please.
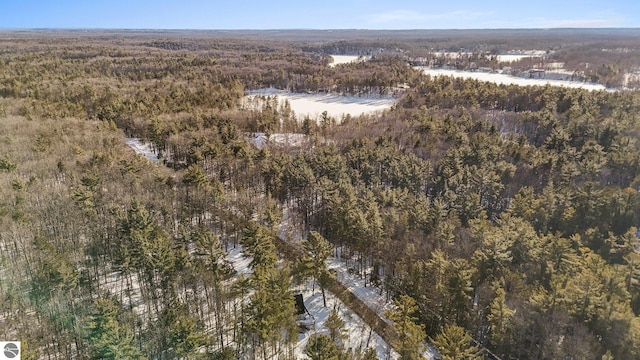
(307, 29)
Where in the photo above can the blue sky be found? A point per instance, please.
(317, 14)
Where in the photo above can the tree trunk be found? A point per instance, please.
(324, 297)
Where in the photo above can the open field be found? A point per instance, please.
(343, 59)
(499, 78)
(336, 106)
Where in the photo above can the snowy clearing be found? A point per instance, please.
(510, 56)
(369, 295)
(141, 148)
(336, 106)
(260, 140)
(509, 80)
(513, 56)
(344, 59)
(238, 261)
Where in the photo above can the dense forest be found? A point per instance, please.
(500, 220)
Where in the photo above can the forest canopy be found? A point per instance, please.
(500, 220)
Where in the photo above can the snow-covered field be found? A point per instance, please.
(336, 106)
(511, 56)
(508, 79)
(343, 59)
(519, 55)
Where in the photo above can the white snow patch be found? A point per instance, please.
(372, 296)
(517, 55)
(345, 59)
(511, 58)
(336, 106)
(127, 289)
(508, 80)
(239, 262)
(360, 336)
(260, 140)
(141, 148)
(291, 139)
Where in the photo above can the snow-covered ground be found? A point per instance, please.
(343, 59)
(510, 56)
(372, 296)
(360, 336)
(513, 56)
(127, 289)
(260, 140)
(369, 295)
(141, 148)
(238, 261)
(508, 79)
(336, 106)
(290, 139)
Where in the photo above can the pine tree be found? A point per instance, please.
(257, 242)
(335, 325)
(410, 335)
(454, 343)
(499, 316)
(183, 331)
(370, 354)
(317, 250)
(271, 310)
(321, 347)
(107, 338)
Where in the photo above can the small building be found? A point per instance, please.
(536, 73)
(300, 308)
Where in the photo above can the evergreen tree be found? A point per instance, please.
(499, 317)
(257, 243)
(321, 347)
(107, 338)
(317, 250)
(271, 310)
(410, 335)
(335, 325)
(183, 331)
(454, 343)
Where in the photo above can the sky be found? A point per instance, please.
(317, 14)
